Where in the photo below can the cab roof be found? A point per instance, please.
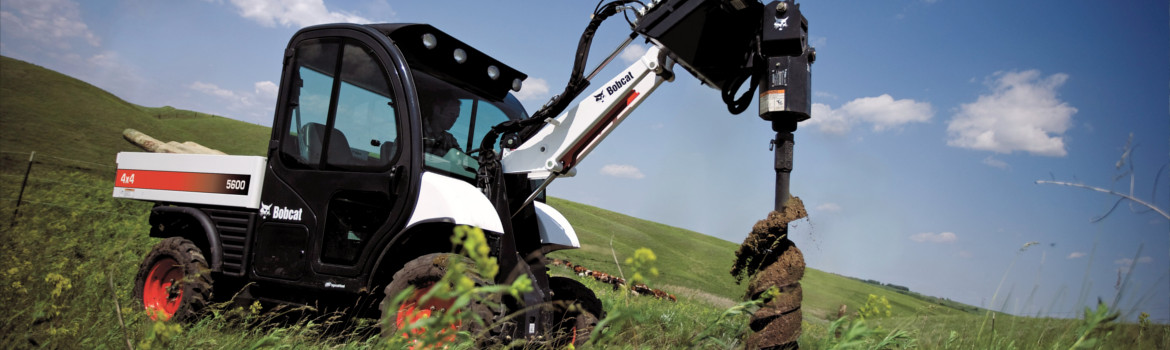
(437, 57)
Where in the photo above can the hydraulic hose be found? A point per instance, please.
(577, 83)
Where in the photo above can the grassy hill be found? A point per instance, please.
(54, 114)
(51, 113)
(689, 261)
(70, 256)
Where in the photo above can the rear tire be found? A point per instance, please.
(422, 273)
(576, 311)
(173, 282)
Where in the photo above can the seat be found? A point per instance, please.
(339, 152)
(386, 152)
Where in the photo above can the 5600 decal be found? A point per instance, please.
(237, 184)
(181, 181)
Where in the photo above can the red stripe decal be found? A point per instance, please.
(570, 159)
(182, 181)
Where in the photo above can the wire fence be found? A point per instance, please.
(70, 207)
(20, 167)
(48, 159)
(40, 158)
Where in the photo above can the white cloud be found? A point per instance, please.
(214, 90)
(633, 53)
(266, 90)
(885, 112)
(829, 207)
(1076, 255)
(991, 161)
(48, 22)
(965, 254)
(54, 34)
(622, 171)
(533, 90)
(293, 13)
(882, 112)
(818, 41)
(828, 120)
(1129, 262)
(823, 94)
(1125, 264)
(252, 105)
(930, 237)
(1022, 113)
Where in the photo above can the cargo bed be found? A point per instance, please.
(222, 180)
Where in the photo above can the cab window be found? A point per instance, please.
(454, 122)
(342, 114)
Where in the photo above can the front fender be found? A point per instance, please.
(555, 231)
(445, 199)
(208, 228)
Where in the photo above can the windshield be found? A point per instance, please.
(454, 122)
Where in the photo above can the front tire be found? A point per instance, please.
(173, 282)
(423, 273)
(576, 309)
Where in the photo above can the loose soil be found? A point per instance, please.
(767, 241)
(775, 332)
(769, 259)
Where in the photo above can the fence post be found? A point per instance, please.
(24, 183)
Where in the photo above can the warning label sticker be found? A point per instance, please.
(771, 101)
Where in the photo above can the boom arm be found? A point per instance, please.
(724, 43)
(559, 146)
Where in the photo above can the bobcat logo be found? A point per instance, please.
(781, 23)
(277, 212)
(599, 97)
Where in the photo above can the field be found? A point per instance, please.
(70, 251)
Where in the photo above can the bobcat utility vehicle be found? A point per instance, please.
(384, 140)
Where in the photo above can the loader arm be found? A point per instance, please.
(726, 44)
(567, 139)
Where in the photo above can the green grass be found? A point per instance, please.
(685, 258)
(53, 114)
(72, 239)
(696, 261)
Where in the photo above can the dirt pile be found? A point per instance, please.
(769, 259)
(638, 289)
(767, 241)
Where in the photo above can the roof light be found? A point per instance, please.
(460, 56)
(493, 72)
(429, 41)
(516, 84)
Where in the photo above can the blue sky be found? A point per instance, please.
(932, 122)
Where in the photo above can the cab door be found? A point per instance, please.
(341, 172)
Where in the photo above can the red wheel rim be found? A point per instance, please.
(573, 340)
(162, 291)
(411, 310)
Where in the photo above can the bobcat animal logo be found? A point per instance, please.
(598, 97)
(265, 210)
(781, 23)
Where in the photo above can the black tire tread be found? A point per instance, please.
(428, 268)
(197, 282)
(586, 314)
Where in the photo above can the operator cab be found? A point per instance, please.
(364, 112)
(462, 93)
